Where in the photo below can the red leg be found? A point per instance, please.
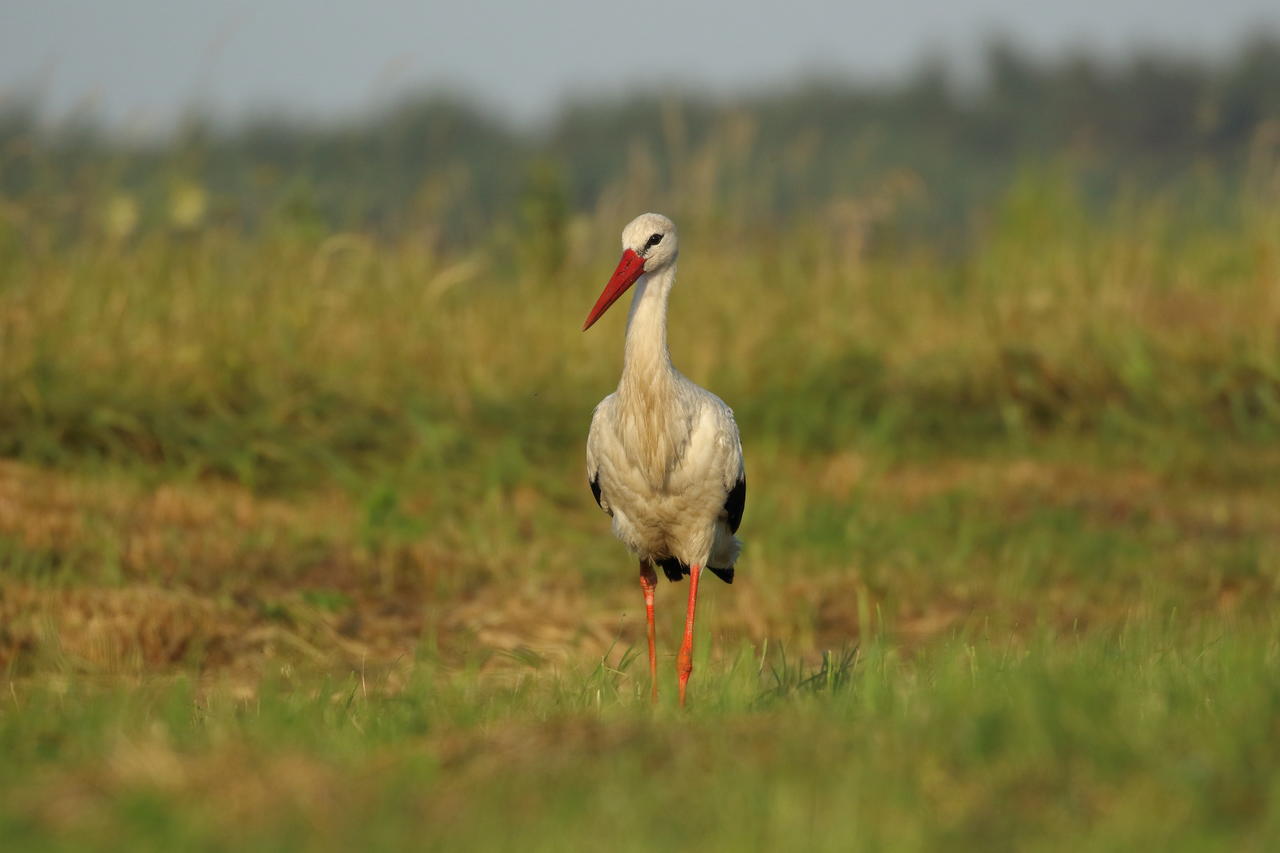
(684, 661)
(648, 583)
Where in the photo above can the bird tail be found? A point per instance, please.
(677, 570)
(724, 552)
(725, 575)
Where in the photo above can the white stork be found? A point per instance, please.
(663, 455)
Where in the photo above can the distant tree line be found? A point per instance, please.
(1154, 118)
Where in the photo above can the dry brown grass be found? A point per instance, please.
(208, 576)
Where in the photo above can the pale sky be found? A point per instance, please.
(141, 63)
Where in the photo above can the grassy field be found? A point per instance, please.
(296, 549)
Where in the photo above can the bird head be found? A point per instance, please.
(649, 243)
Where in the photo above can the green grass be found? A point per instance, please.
(296, 550)
(1143, 735)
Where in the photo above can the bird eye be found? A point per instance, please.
(653, 241)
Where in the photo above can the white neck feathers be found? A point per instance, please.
(647, 361)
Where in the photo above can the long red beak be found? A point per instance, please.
(630, 268)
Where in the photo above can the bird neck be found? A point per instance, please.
(646, 360)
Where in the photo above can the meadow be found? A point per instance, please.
(296, 549)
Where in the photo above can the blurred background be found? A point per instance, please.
(340, 259)
(343, 258)
(295, 537)
(459, 119)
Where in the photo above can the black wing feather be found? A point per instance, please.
(595, 492)
(735, 503)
